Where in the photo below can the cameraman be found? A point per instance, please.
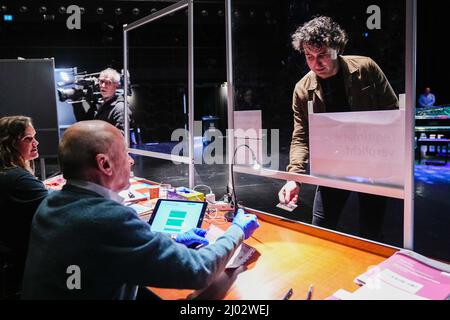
(112, 109)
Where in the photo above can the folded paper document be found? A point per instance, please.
(130, 196)
(406, 275)
(242, 254)
(140, 209)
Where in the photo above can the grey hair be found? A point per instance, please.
(318, 32)
(110, 74)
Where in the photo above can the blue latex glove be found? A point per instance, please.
(192, 238)
(247, 222)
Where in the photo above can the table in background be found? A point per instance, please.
(438, 143)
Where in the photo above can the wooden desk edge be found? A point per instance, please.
(336, 237)
(380, 249)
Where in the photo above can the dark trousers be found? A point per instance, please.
(329, 203)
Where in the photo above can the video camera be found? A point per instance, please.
(77, 88)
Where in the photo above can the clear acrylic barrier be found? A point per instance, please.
(366, 147)
(265, 75)
(159, 99)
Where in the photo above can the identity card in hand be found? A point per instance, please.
(287, 206)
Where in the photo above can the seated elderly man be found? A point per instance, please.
(84, 227)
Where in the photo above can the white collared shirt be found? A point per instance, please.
(91, 186)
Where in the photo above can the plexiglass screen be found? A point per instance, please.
(158, 70)
(321, 83)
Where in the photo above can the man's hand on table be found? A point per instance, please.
(247, 222)
(192, 238)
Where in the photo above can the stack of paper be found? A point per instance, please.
(140, 209)
(242, 254)
(406, 275)
(132, 196)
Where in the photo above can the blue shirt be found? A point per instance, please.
(427, 100)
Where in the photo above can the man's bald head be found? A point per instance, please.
(80, 145)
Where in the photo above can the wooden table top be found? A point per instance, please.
(291, 255)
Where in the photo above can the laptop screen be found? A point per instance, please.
(175, 216)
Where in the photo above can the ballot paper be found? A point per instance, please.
(406, 275)
(242, 254)
(140, 209)
(131, 196)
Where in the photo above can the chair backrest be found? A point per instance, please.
(9, 283)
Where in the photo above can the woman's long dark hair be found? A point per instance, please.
(12, 130)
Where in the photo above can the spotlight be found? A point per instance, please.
(204, 13)
(136, 11)
(118, 11)
(100, 11)
(107, 27)
(42, 9)
(23, 9)
(62, 10)
(82, 10)
(153, 10)
(220, 13)
(237, 14)
(64, 76)
(48, 17)
(3, 8)
(252, 14)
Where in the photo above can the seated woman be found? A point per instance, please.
(20, 192)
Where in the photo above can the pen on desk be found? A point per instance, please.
(288, 294)
(257, 239)
(310, 292)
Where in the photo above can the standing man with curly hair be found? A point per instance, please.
(335, 83)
